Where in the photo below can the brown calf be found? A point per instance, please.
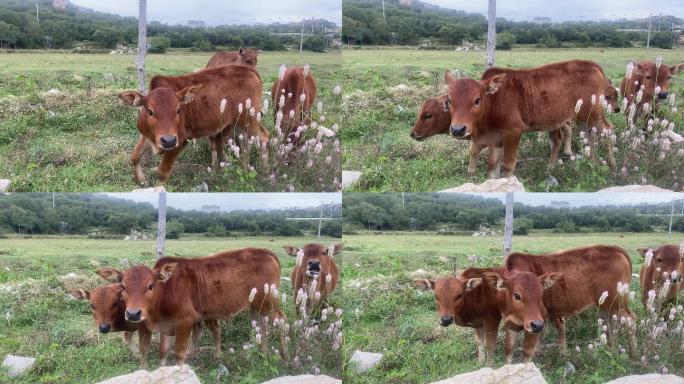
(463, 300)
(179, 292)
(184, 107)
(314, 262)
(433, 118)
(662, 266)
(293, 93)
(244, 56)
(612, 96)
(557, 285)
(647, 77)
(496, 111)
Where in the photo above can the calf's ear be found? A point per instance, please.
(549, 279)
(187, 94)
(446, 105)
(448, 77)
(241, 51)
(335, 249)
(110, 274)
(80, 294)
(424, 284)
(495, 280)
(166, 271)
(493, 84)
(132, 98)
(643, 251)
(473, 283)
(290, 250)
(675, 69)
(258, 51)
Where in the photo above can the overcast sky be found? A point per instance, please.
(220, 12)
(570, 10)
(236, 201)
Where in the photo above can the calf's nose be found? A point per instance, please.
(133, 314)
(662, 95)
(104, 328)
(537, 326)
(413, 134)
(446, 321)
(168, 141)
(457, 130)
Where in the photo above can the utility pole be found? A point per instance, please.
(161, 223)
(648, 39)
(491, 33)
(320, 221)
(383, 11)
(53, 200)
(301, 39)
(403, 201)
(669, 231)
(508, 226)
(142, 44)
(37, 17)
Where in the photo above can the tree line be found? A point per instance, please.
(78, 27)
(451, 213)
(364, 24)
(103, 216)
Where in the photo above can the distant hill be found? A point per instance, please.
(415, 22)
(61, 24)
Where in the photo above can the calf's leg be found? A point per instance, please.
(555, 137)
(183, 331)
(135, 158)
(128, 341)
(144, 341)
(164, 342)
(480, 340)
(475, 150)
(509, 346)
(490, 331)
(510, 154)
(559, 322)
(169, 157)
(530, 346)
(494, 162)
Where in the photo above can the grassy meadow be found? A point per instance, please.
(384, 313)
(384, 89)
(41, 320)
(63, 128)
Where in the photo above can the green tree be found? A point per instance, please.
(662, 39)
(505, 40)
(315, 43)
(174, 229)
(158, 44)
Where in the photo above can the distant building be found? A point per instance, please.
(211, 208)
(541, 20)
(60, 4)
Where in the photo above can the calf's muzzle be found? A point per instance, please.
(104, 328)
(457, 130)
(168, 142)
(662, 95)
(133, 315)
(537, 326)
(445, 321)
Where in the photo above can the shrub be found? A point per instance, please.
(315, 43)
(158, 44)
(505, 41)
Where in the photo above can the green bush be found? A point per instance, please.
(158, 44)
(315, 43)
(505, 41)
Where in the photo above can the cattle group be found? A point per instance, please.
(495, 110)
(220, 102)
(528, 291)
(178, 295)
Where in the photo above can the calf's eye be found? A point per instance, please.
(92, 306)
(150, 286)
(149, 112)
(427, 116)
(477, 101)
(517, 296)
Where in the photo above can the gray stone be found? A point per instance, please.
(363, 361)
(508, 374)
(349, 178)
(511, 184)
(4, 185)
(165, 375)
(17, 365)
(653, 378)
(304, 379)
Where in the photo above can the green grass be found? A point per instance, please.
(384, 313)
(82, 139)
(378, 121)
(43, 321)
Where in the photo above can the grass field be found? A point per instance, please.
(40, 319)
(81, 138)
(384, 313)
(379, 117)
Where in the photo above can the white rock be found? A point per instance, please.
(349, 178)
(508, 374)
(636, 188)
(511, 184)
(653, 378)
(304, 379)
(364, 361)
(164, 375)
(4, 185)
(16, 365)
(149, 190)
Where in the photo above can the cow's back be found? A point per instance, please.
(223, 58)
(547, 95)
(588, 272)
(219, 285)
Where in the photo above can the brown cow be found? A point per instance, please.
(244, 56)
(184, 107)
(179, 292)
(434, 119)
(647, 76)
(108, 310)
(496, 111)
(314, 262)
(565, 283)
(293, 93)
(660, 265)
(463, 300)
